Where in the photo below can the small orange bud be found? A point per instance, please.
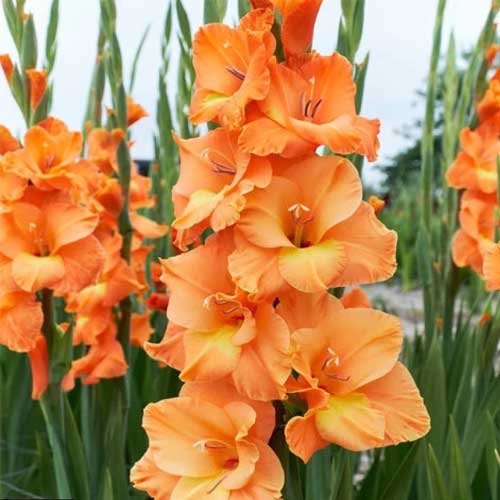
(7, 66)
(439, 323)
(436, 266)
(376, 203)
(491, 53)
(485, 317)
(24, 16)
(157, 301)
(134, 111)
(38, 86)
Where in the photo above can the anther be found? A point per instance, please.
(338, 377)
(238, 74)
(220, 168)
(315, 108)
(306, 109)
(214, 487)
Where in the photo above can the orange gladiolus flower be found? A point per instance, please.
(102, 146)
(223, 455)
(50, 243)
(489, 106)
(104, 359)
(219, 331)
(38, 86)
(358, 395)
(231, 69)
(7, 66)
(135, 111)
(310, 230)
(215, 175)
(475, 167)
(49, 158)
(476, 232)
(309, 107)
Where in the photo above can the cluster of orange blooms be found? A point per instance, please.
(251, 319)
(59, 234)
(475, 171)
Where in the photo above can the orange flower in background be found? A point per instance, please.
(475, 167)
(489, 106)
(38, 86)
(50, 158)
(231, 69)
(310, 230)
(219, 332)
(208, 444)
(135, 111)
(50, 243)
(476, 232)
(7, 141)
(358, 395)
(310, 106)
(377, 204)
(105, 359)
(102, 146)
(215, 175)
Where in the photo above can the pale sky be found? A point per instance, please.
(397, 33)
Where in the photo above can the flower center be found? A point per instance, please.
(301, 216)
(332, 362)
(38, 240)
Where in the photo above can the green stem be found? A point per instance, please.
(52, 404)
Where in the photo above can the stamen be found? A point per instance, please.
(238, 74)
(308, 105)
(214, 487)
(316, 106)
(209, 444)
(220, 168)
(338, 377)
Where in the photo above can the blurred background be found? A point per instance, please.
(398, 34)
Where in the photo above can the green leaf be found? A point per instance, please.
(318, 472)
(459, 481)
(214, 11)
(243, 7)
(432, 384)
(51, 39)
(183, 23)
(435, 476)
(135, 62)
(398, 487)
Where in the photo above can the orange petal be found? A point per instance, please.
(7, 141)
(369, 246)
(356, 297)
(32, 273)
(39, 363)
(170, 351)
(21, 321)
(255, 269)
(313, 269)
(465, 252)
(265, 364)
(350, 422)
(298, 24)
(83, 261)
(140, 330)
(210, 355)
(146, 227)
(201, 488)
(66, 224)
(303, 438)
(146, 476)
(134, 111)
(398, 398)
